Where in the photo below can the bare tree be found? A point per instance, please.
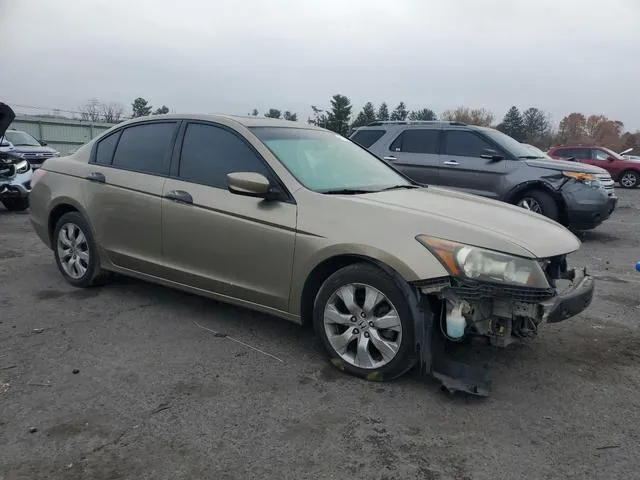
(90, 111)
(112, 112)
(472, 116)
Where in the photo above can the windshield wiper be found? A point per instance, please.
(398, 187)
(346, 191)
(529, 157)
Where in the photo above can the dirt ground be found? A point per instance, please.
(125, 382)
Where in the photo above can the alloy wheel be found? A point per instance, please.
(532, 204)
(629, 180)
(362, 326)
(73, 250)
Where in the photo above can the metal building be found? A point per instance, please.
(65, 135)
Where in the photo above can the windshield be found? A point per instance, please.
(535, 151)
(21, 139)
(325, 161)
(508, 143)
(613, 154)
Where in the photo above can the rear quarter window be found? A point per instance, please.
(106, 148)
(366, 138)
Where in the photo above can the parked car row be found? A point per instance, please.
(15, 171)
(488, 163)
(302, 223)
(35, 152)
(626, 171)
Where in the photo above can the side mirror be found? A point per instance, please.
(611, 159)
(43, 143)
(490, 154)
(251, 184)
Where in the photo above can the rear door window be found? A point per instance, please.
(461, 143)
(210, 152)
(366, 138)
(417, 141)
(146, 148)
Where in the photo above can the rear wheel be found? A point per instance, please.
(76, 252)
(16, 204)
(629, 179)
(540, 202)
(365, 323)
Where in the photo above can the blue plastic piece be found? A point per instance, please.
(638, 266)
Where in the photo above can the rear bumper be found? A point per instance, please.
(574, 300)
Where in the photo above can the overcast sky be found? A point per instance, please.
(231, 56)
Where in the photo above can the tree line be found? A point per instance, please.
(93, 110)
(531, 125)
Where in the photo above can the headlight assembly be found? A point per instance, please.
(22, 166)
(466, 261)
(587, 178)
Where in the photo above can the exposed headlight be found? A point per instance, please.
(587, 178)
(22, 167)
(466, 261)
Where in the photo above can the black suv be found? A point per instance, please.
(486, 162)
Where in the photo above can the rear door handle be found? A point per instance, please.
(451, 162)
(96, 177)
(179, 196)
(391, 159)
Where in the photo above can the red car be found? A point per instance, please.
(625, 172)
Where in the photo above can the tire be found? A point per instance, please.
(79, 241)
(629, 179)
(544, 204)
(392, 307)
(16, 204)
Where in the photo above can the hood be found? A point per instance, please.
(565, 165)
(33, 149)
(6, 117)
(476, 221)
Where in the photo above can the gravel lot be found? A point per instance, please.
(156, 396)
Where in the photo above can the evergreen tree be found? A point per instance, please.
(513, 124)
(423, 114)
(400, 113)
(366, 116)
(141, 107)
(340, 114)
(383, 112)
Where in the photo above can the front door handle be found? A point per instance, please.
(451, 162)
(390, 159)
(96, 177)
(179, 196)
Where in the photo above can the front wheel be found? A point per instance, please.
(16, 204)
(629, 179)
(540, 202)
(365, 323)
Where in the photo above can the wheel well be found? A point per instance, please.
(318, 275)
(55, 215)
(562, 207)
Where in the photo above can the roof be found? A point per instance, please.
(246, 121)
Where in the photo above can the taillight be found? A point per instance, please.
(37, 175)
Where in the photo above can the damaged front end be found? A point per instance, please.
(487, 302)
